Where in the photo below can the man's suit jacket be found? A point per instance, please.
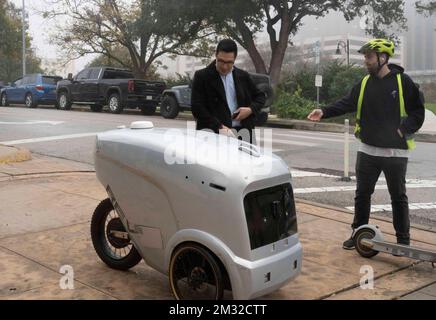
(209, 102)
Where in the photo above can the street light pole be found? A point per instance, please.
(24, 38)
(346, 46)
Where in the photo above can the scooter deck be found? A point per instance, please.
(400, 250)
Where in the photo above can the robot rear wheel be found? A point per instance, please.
(110, 239)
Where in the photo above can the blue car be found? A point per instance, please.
(31, 90)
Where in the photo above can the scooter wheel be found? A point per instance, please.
(363, 250)
(194, 274)
(117, 252)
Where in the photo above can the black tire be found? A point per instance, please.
(103, 241)
(96, 107)
(115, 104)
(169, 108)
(201, 270)
(364, 251)
(4, 100)
(64, 102)
(29, 102)
(148, 110)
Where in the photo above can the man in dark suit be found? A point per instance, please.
(223, 96)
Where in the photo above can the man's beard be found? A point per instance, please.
(372, 71)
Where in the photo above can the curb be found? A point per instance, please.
(274, 122)
(317, 126)
(12, 154)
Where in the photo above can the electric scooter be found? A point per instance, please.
(369, 242)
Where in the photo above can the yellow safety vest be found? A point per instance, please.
(410, 142)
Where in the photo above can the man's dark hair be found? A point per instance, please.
(227, 45)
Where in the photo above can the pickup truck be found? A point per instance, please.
(114, 87)
(178, 99)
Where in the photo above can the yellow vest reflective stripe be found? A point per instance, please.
(410, 142)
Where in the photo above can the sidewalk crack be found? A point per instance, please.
(55, 271)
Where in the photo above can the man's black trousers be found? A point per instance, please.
(368, 169)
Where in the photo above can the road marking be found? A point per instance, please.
(417, 185)
(304, 174)
(337, 135)
(388, 207)
(53, 123)
(45, 139)
(309, 138)
(290, 142)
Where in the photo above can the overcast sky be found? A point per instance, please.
(40, 29)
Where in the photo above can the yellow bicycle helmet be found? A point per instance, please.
(380, 46)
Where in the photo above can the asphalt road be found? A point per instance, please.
(316, 158)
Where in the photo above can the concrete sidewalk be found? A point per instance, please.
(46, 206)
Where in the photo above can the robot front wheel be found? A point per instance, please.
(110, 239)
(195, 273)
(364, 251)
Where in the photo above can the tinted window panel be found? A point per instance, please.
(51, 80)
(83, 75)
(94, 74)
(26, 80)
(271, 215)
(117, 74)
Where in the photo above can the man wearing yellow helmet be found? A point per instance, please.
(389, 111)
(379, 47)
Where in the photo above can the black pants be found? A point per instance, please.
(368, 169)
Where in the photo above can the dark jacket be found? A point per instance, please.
(380, 118)
(209, 102)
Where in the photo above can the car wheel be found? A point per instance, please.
(110, 239)
(29, 102)
(115, 105)
(64, 102)
(96, 108)
(169, 108)
(4, 100)
(148, 110)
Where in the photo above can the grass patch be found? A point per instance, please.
(431, 107)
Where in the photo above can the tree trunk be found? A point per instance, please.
(276, 64)
(250, 46)
(279, 51)
(257, 59)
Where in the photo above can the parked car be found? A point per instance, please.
(31, 90)
(178, 99)
(117, 88)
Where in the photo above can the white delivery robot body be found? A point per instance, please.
(236, 225)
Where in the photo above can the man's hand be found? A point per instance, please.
(227, 132)
(315, 115)
(243, 113)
